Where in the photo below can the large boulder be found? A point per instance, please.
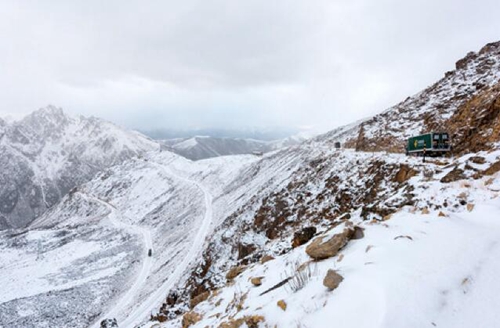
(320, 249)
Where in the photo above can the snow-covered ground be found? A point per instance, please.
(435, 269)
(86, 259)
(90, 251)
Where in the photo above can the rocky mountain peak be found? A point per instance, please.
(47, 153)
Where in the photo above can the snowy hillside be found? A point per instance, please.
(464, 102)
(47, 153)
(89, 252)
(201, 147)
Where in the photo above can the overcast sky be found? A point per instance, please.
(254, 63)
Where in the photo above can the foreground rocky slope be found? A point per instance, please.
(46, 154)
(315, 187)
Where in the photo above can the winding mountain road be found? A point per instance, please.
(142, 311)
(147, 261)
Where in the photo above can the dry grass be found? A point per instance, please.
(300, 275)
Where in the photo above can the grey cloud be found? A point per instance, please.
(231, 63)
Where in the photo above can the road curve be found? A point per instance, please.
(147, 262)
(142, 311)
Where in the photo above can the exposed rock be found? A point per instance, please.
(494, 168)
(425, 211)
(358, 233)
(198, 299)
(454, 175)
(332, 279)
(266, 258)
(462, 63)
(245, 249)
(109, 323)
(251, 321)
(477, 160)
(320, 250)
(404, 174)
(470, 207)
(190, 318)
(441, 214)
(257, 281)
(303, 236)
(282, 305)
(234, 272)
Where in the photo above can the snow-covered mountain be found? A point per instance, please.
(305, 236)
(202, 147)
(47, 153)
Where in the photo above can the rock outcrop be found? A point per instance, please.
(320, 249)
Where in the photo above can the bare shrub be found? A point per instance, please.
(300, 275)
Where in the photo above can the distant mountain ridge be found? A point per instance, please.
(47, 153)
(202, 147)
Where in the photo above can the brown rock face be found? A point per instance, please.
(494, 168)
(475, 126)
(190, 318)
(404, 174)
(244, 250)
(303, 236)
(477, 160)
(332, 279)
(198, 299)
(320, 250)
(454, 175)
(234, 272)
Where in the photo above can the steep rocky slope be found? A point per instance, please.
(313, 185)
(47, 153)
(464, 102)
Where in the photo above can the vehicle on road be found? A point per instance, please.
(430, 144)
